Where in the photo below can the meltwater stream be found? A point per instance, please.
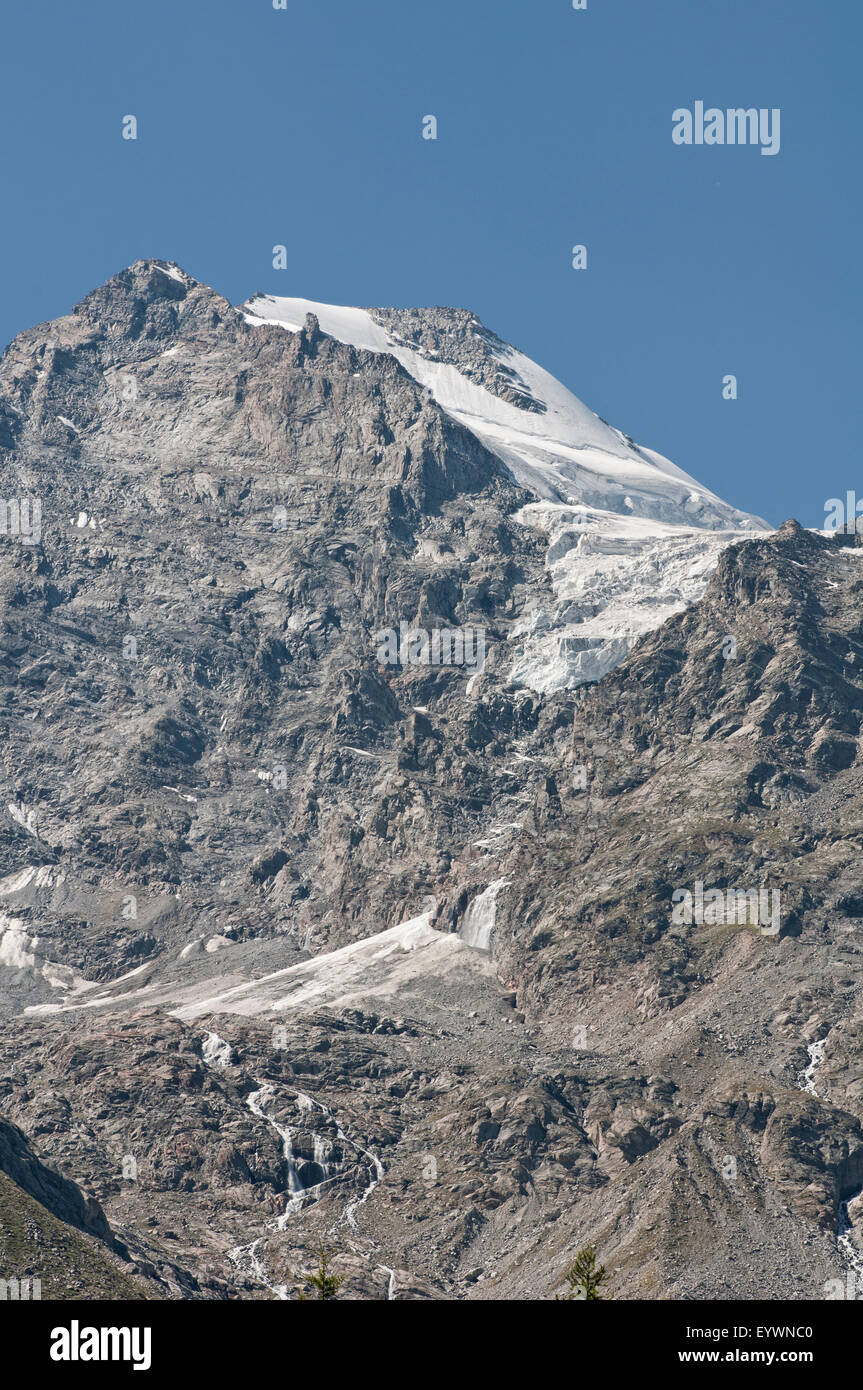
(247, 1261)
(845, 1241)
(816, 1057)
(296, 1192)
(218, 1054)
(845, 1231)
(348, 1216)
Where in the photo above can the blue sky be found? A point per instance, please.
(302, 127)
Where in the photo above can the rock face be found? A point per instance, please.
(60, 1196)
(199, 717)
(255, 826)
(55, 1242)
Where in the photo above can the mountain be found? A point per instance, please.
(339, 940)
(624, 526)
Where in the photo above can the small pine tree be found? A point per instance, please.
(326, 1284)
(584, 1277)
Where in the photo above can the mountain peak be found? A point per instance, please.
(549, 441)
(630, 538)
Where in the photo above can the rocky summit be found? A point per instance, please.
(429, 827)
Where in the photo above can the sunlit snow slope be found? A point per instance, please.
(632, 538)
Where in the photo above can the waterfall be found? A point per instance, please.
(377, 1168)
(246, 1258)
(255, 1103)
(845, 1240)
(816, 1057)
(477, 925)
(215, 1051)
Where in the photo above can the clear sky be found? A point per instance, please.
(303, 127)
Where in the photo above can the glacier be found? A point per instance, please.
(632, 538)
